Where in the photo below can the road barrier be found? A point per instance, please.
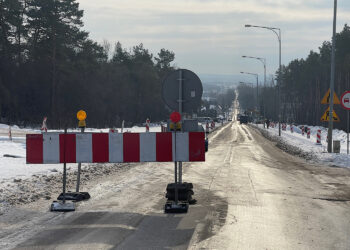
(207, 127)
(284, 127)
(10, 133)
(308, 133)
(53, 148)
(318, 138)
(147, 124)
(44, 126)
(291, 128)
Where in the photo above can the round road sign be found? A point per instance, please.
(345, 100)
(191, 90)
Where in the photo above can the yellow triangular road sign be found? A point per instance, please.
(325, 117)
(326, 98)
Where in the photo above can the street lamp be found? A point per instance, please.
(257, 85)
(279, 67)
(263, 61)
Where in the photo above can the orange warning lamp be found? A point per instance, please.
(81, 115)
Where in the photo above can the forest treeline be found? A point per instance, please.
(50, 67)
(304, 82)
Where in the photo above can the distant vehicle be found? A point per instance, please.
(244, 119)
(230, 119)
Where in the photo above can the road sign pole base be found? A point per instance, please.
(185, 192)
(173, 207)
(74, 196)
(59, 206)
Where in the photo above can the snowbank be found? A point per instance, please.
(317, 152)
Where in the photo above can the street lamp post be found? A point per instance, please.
(263, 61)
(257, 86)
(278, 34)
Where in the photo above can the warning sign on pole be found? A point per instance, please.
(325, 116)
(326, 98)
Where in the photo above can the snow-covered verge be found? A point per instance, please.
(22, 183)
(298, 144)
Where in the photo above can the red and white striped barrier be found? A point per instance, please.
(302, 130)
(10, 133)
(212, 125)
(284, 127)
(318, 139)
(207, 127)
(147, 125)
(308, 133)
(43, 126)
(291, 128)
(52, 148)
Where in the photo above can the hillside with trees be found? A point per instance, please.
(50, 67)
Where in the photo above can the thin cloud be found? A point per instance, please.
(199, 29)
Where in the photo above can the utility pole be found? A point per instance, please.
(330, 124)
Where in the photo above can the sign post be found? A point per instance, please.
(81, 115)
(175, 117)
(180, 111)
(182, 90)
(77, 195)
(330, 124)
(63, 206)
(345, 102)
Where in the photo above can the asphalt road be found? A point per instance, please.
(250, 195)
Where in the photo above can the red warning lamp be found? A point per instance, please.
(175, 117)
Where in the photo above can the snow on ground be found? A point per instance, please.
(318, 152)
(12, 168)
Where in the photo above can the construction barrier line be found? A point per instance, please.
(53, 148)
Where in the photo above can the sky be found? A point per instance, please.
(209, 37)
